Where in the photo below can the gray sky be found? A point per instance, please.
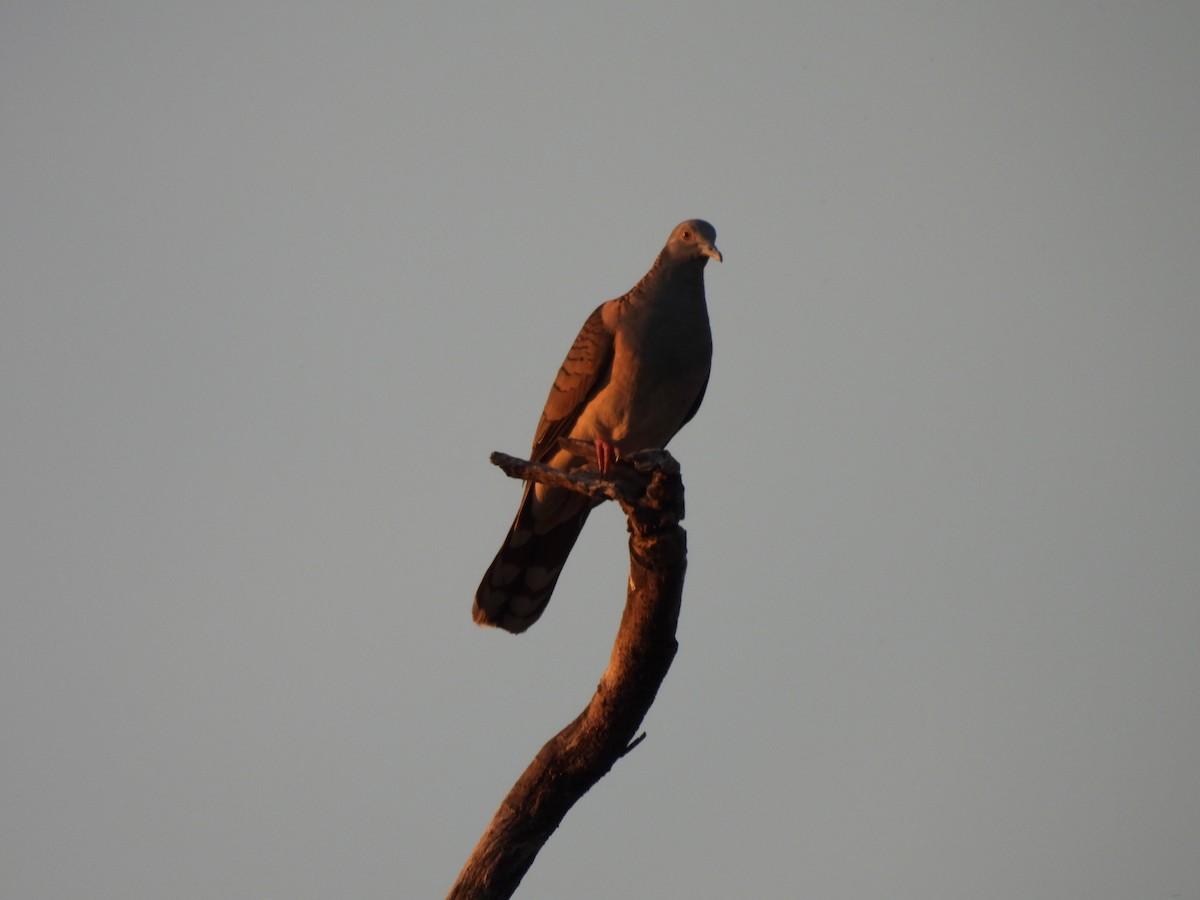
(276, 278)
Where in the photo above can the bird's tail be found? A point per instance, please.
(518, 584)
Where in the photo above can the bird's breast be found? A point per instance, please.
(658, 371)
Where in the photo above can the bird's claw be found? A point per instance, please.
(606, 454)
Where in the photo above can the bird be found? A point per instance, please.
(635, 375)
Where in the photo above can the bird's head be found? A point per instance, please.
(693, 240)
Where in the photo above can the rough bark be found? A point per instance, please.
(649, 488)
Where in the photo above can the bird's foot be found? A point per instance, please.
(607, 453)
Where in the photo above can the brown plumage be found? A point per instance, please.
(634, 376)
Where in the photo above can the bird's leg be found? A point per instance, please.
(606, 454)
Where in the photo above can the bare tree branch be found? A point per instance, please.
(648, 487)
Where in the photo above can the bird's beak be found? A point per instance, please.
(712, 251)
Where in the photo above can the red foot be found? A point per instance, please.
(606, 454)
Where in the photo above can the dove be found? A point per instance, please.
(634, 376)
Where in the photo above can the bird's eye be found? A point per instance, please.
(687, 235)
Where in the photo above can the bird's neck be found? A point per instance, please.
(668, 273)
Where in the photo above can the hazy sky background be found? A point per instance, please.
(277, 277)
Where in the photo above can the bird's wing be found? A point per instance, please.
(582, 375)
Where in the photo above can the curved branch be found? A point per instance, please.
(650, 490)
